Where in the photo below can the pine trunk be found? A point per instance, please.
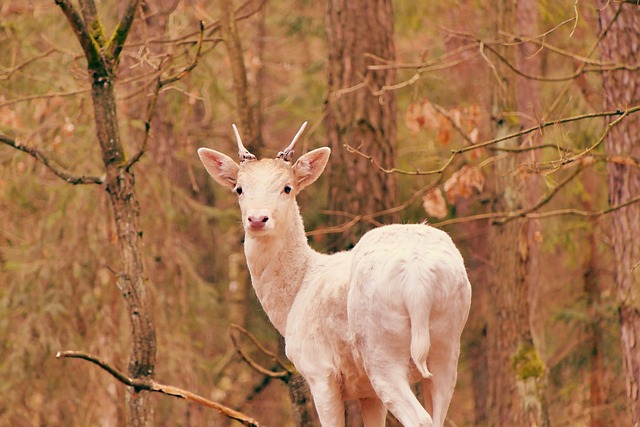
(358, 117)
(622, 89)
(516, 371)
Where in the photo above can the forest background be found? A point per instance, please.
(510, 124)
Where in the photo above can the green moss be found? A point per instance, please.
(526, 363)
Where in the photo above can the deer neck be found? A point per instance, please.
(278, 265)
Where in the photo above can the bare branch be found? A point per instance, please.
(153, 386)
(151, 106)
(368, 217)
(283, 374)
(79, 27)
(539, 215)
(119, 36)
(37, 154)
(16, 68)
(191, 66)
(542, 125)
(373, 161)
(92, 21)
(543, 200)
(43, 96)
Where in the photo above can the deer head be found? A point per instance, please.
(266, 188)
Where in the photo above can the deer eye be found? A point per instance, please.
(287, 189)
(239, 190)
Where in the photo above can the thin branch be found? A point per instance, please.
(119, 36)
(184, 72)
(153, 386)
(37, 154)
(453, 122)
(284, 374)
(151, 107)
(16, 68)
(416, 172)
(92, 21)
(539, 215)
(368, 217)
(43, 96)
(544, 199)
(582, 69)
(80, 29)
(542, 125)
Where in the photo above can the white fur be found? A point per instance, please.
(363, 324)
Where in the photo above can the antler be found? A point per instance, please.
(243, 153)
(287, 153)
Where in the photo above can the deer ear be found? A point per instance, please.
(310, 166)
(220, 166)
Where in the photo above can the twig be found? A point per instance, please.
(368, 217)
(193, 64)
(16, 68)
(116, 42)
(284, 374)
(151, 107)
(539, 215)
(543, 200)
(80, 29)
(153, 386)
(374, 162)
(43, 96)
(626, 112)
(37, 154)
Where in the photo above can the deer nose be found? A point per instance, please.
(258, 221)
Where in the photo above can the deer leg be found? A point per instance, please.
(327, 396)
(374, 413)
(443, 363)
(388, 369)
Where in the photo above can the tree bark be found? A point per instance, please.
(516, 371)
(233, 45)
(622, 89)
(358, 117)
(102, 56)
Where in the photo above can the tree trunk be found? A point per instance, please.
(120, 184)
(102, 54)
(622, 89)
(516, 371)
(596, 357)
(358, 117)
(232, 42)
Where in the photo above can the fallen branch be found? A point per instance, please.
(153, 386)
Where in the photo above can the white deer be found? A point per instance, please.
(363, 324)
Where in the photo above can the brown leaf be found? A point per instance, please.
(473, 135)
(444, 130)
(421, 115)
(434, 204)
(463, 182)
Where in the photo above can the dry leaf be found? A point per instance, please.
(473, 135)
(421, 115)
(455, 115)
(444, 130)
(434, 204)
(463, 182)
(68, 127)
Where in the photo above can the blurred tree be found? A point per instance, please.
(621, 90)
(516, 370)
(360, 112)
